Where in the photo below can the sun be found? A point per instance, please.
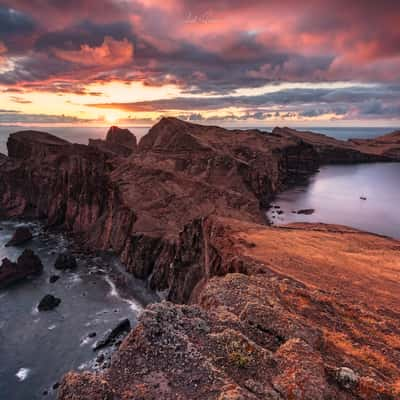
(111, 118)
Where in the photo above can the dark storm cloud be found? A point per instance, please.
(13, 22)
(281, 97)
(381, 101)
(85, 32)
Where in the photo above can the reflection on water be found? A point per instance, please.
(336, 194)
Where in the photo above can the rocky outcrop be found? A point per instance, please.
(120, 142)
(333, 151)
(121, 329)
(48, 303)
(28, 264)
(20, 236)
(295, 324)
(386, 145)
(34, 144)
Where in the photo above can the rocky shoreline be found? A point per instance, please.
(184, 209)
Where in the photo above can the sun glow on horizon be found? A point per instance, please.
(112, 118)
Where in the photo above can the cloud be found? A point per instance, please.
(14, 22)
(3, 50)
(19, 100)
(209, 47)
(10, 117)
(111, 53)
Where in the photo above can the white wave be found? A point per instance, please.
(134, 306)
(85, 341)
(22, 374)
(51, 327)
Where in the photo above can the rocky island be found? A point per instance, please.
(304, 311)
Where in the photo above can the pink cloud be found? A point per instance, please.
(111, 53)
(3, 50)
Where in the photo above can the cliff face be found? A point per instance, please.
(137, 204)
(280, 313)
(333, 151)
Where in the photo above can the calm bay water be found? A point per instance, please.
(37, 348)
(335, 194)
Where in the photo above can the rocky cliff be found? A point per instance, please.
(178, 209)
(277, 313)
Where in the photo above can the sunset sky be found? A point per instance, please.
(245, 63)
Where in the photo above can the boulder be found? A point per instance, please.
(123, 327)
(65, 261)
(27, 264)
(48, 302)
(347, 378)
(306, 211)
(54, 278)
(21, 236)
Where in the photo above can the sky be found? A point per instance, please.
(234, 63)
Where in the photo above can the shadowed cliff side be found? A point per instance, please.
(280, 313)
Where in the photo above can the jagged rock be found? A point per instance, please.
(123, 327)
(54, 278)
(65, 261)
(306, 211)
(122, 137)
(21, 236)
(28, 264)
(48, 303)
(118, 142)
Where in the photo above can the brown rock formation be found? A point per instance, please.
(387, 145)
(297, 323)
(118, 141)
(21, 236)
(333, 151)
(27, 264)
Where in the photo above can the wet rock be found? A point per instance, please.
(306, 211)
(28, 264)
(56, 386)
(21, 236)
(109, 338)
(65, 261)
(363, 198)
(347, 378)
(100, 359)
(54, 278)
(92, 335)
(48, 302)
